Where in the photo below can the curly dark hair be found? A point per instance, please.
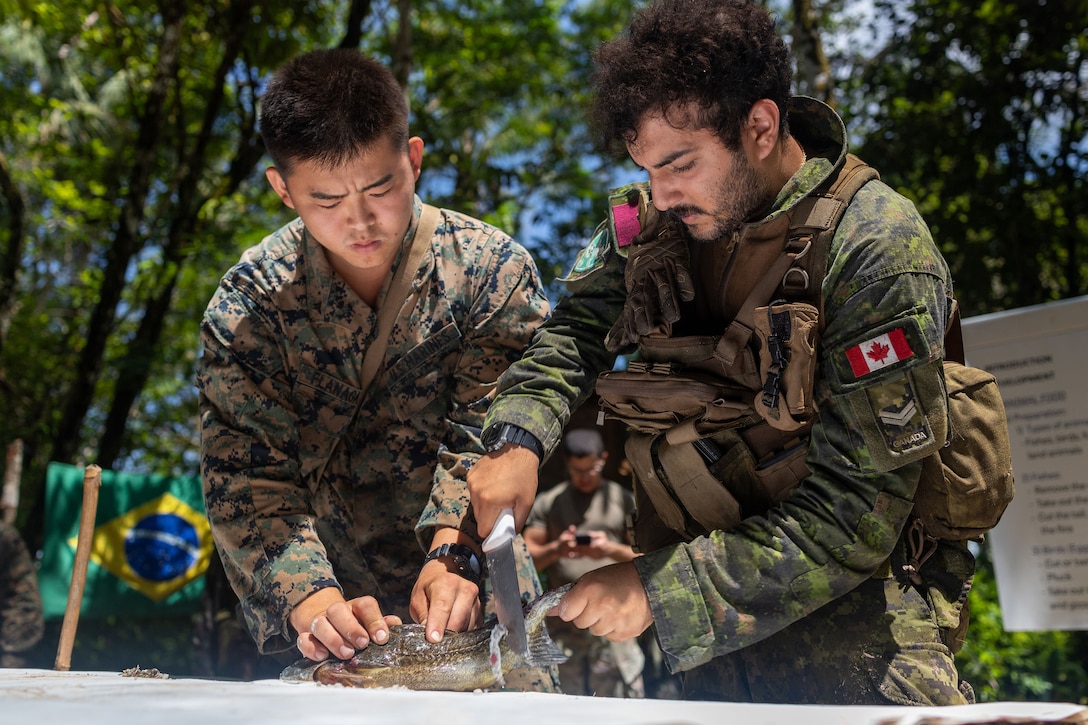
(328, 105)
(720, 55)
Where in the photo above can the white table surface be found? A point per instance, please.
(43, 697)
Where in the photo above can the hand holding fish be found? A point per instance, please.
(610, 602)
(329, 625)
(462, 661)
(505, 479)
(443, 600)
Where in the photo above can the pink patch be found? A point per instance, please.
(627, 226)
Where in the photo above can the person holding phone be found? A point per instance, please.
(575, 527)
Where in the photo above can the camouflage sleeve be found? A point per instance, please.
(885, 300)
(541, 390)
(21, 623)
(508, 305)
(256, 502)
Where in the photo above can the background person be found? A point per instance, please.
(579, 525)
(21, 620)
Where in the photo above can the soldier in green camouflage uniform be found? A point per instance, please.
(804, 599)
(21, 623)
(321, 493)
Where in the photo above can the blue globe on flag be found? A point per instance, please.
(162, 547)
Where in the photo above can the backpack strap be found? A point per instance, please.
(814, 222)
(387, 312)
(797, 275)
(398, 290)
(953, 334)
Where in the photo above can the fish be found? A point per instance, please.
(461, 662)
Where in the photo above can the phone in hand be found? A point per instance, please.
(582, 539)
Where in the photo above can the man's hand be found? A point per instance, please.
(444, 600)
(610, 602)
(505, 479)
(329, 625)
(600, 546)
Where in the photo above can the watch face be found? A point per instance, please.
(496, 438)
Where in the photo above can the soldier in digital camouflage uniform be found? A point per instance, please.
(804, 597)
(324, 497)
(21, 623)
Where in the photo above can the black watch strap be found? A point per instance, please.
(497, 436)
(463, 557)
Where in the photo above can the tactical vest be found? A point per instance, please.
(719, 426)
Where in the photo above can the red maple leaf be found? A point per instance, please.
(878, 351)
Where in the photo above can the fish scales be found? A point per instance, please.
(460, 662)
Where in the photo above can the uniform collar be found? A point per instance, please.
(822, 134)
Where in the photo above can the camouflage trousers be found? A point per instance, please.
(887, 642)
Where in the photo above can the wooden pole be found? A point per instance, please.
(92, 481)
(9, 496)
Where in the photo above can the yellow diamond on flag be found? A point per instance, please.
(156, 548)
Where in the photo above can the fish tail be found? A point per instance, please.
(542, 650)
(301, 671)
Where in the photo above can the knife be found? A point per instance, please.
(498, 548)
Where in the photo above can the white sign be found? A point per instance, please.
(1039, 356)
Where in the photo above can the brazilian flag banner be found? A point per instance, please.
(151, 547)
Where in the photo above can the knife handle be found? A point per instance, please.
(502, 533)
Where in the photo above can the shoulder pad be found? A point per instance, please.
(625, 207)
(592, 257)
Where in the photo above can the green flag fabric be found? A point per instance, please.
(151, 547)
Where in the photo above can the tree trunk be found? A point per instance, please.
(11, 261)
(813, 70)
(135, 369)
(125, 244)
(353, 32)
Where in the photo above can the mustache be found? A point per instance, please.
(676, 212)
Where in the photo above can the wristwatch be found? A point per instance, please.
(497, 436)
(464, 558)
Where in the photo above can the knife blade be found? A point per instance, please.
(498, 548)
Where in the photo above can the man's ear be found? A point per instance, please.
(279, 185)
(415, 155)
(761, 133)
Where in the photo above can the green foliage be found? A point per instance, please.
(977, 111)
(1049, 666)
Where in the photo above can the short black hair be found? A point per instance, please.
(583, 442)
(720, 56)
(328, 105)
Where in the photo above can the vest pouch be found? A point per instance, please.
(784, 471)
(787, 332)
(966, 486)
(655, 397)
(683, 498)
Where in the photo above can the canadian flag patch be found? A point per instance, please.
(879, 352)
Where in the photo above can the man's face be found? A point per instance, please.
(359, 211)
(713, 191)
(584, 472)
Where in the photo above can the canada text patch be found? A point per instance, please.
(898, 418)
(879, 352)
